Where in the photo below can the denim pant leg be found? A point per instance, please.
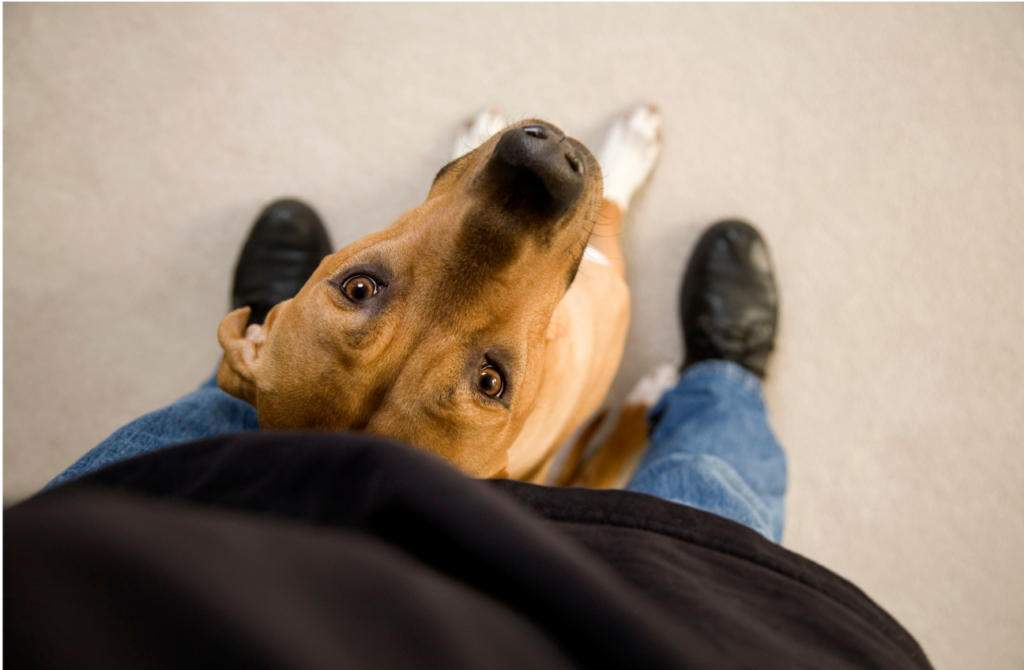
(203, 413)
(711, 448)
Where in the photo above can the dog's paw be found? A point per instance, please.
(477, 131)
(653, 385)
(630, 152)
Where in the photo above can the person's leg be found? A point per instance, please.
(203, 413)
(711, 448)
(710, 443)
(284, 247)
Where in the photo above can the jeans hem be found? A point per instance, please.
(717, 367)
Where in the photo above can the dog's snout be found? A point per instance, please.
(540, 165)
(536, 131)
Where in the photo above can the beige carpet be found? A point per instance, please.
(880, 149)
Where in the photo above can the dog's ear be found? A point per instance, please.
(237, 373)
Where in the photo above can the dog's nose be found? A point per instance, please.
(539, 165)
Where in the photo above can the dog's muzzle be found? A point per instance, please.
(538, 168)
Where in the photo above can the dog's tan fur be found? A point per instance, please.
(584, 345)
(405, 367)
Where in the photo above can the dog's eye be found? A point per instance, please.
(490, 381)
(359, 288)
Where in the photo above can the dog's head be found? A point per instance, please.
(432, 331)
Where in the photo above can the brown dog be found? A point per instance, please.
(455, 329)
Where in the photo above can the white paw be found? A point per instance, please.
(630, 152)
(653, 385)
(477, 131)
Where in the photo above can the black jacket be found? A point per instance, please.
(318, 550)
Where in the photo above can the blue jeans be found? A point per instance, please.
(711, 445)
(203, 413)
(711, 448)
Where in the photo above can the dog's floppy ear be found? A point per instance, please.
(237, 373)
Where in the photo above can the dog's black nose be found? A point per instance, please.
(538, 166)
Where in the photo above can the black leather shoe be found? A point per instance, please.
(285, 246)
(728, 304)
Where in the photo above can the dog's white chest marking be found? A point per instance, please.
(596, 256)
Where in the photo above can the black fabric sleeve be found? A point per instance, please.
(331, 550)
